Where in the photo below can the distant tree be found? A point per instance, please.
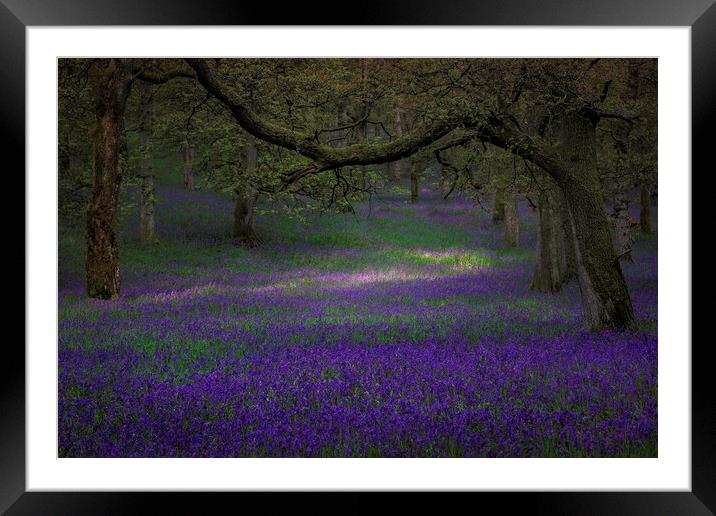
(147, 221)
(550, 262)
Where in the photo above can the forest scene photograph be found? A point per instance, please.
(357, 257)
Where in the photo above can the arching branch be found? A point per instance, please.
(490, 129)
(326, 157)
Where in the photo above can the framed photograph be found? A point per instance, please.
(431, 248)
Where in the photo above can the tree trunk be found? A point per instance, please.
(362, 128)
(645, 209)
(547, 276)
(414, 181)
(623, 239)
(188, 165)
(512, 221)
(445, 180)
(569, 265)
(246, 197)
(110, 82)
(605, 296)
(398, 165)
(498, 206)
(244, 231)
(147, 222)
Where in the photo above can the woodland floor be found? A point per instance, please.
(409, 332)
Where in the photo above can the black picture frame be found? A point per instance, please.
(16, 15)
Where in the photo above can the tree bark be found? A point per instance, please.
(569, 268)
(623, 239)
(605, 297)
(512, 221)
(110, 81)
(645, 209)
(547, 276)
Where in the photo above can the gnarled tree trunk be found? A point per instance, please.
(110, 81)
(605, 296)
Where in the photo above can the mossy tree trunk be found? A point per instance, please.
(605, 296)
(110, 81)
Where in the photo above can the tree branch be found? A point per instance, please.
(490, 129)
(326, 157)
